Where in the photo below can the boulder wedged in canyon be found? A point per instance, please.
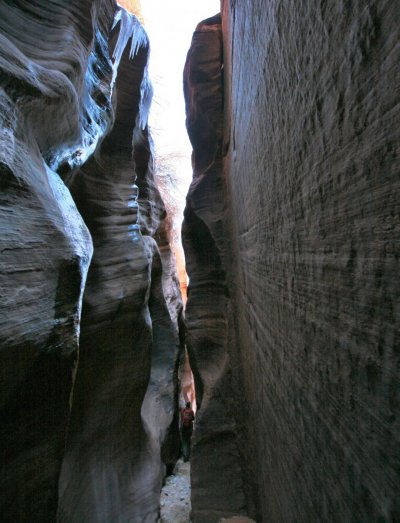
(63, 97)
(215, 468)
(314, 191)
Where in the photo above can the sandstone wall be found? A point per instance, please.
(313, 179)
(45, 98)
(112, 469)
(81, 441)
(215, 470)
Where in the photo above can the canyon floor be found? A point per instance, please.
(175, 495)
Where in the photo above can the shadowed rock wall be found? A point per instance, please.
(293, 259)
(215, 470)
(46, 112)
(81, 442)
(313, 177)
(112, 469)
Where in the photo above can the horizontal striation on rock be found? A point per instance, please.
(54, 59)
(73, 83)
(46, 247)
(124, 397)
(314, 202)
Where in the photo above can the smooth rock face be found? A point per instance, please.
(215, 471)
(313, 183)
(100, 461)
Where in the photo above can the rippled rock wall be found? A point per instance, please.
(82, 441)
(312, 199)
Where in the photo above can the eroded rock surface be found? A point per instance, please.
(46, 113)
(82, 442)
(311, 106)
(215, 470)
(124, 394)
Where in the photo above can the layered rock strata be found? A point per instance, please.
(82, 442)
(46, 110)
(311, 105)
(215, 470)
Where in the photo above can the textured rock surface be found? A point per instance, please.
(313, 173)
(46, 111)
(215, 473)
(58, 100)
(124, 393)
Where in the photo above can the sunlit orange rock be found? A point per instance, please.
(133, 6)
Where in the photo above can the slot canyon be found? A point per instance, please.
(288, 342)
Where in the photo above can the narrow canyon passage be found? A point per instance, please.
(276, 314)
